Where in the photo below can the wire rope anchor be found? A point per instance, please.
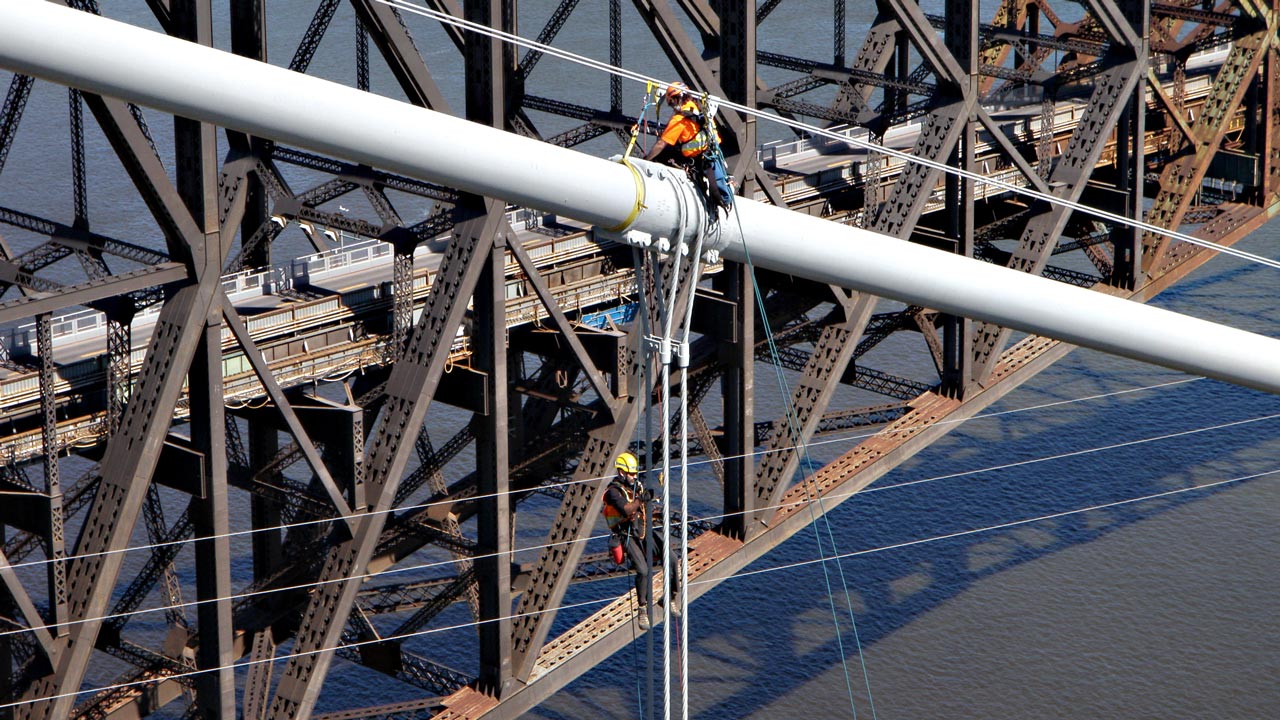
(669, 214)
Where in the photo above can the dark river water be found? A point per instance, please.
(1102, 604)
(1158, 608)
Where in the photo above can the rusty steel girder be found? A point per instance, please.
(334, 505)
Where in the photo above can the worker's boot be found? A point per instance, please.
(643, 618)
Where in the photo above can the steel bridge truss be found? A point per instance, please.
(449, 442)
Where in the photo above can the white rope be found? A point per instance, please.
(395, 570)
(1004, 466)
(829, 134)
(303, 586)
(1002, 526)
(602, 601)
(664, 357)
(682, 358)
(568, 483)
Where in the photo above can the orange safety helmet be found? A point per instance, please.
(675, 91)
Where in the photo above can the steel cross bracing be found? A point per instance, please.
(541, 411)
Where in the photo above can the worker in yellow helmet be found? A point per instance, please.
(626, 511)
(684, 143)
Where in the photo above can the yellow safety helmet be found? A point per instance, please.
(627, 463)
(675, 91)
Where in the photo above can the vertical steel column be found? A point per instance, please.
(268, 545)
(902, 71)
(738, 75)
(838, 27)
(961, 38)
(362, 56)
(738, 391)
(493, 520)
(215, 691)
(249, 38)
(196, 147)
(517, 416)
(615, 54)
(490, 65)
(738, 78)
(1131, 131)
(55, 543)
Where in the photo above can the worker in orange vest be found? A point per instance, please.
(684, 143)
(626, 505)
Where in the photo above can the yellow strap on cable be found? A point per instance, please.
(635, 211)
(631, 144)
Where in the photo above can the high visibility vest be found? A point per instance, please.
(613, 517)
(696, 146)
(686, 130)
(700, 142)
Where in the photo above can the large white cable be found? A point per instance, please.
(695, 276)
(830, 134)
(640, 198)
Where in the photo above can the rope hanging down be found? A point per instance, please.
(675, 253)
(793, 424)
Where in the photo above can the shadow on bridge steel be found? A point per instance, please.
(761, 637)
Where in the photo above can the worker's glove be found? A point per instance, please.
(647, 495)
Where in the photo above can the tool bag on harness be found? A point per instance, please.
(723, 184)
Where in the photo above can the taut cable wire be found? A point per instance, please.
(602, 601)
(708, 518)
(832, 135)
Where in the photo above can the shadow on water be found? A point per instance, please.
(759, 637)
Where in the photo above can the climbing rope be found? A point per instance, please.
(643, 277)
(793, 427)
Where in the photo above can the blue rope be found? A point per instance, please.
(793, 423)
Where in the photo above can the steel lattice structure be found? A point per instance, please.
(226, 408)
